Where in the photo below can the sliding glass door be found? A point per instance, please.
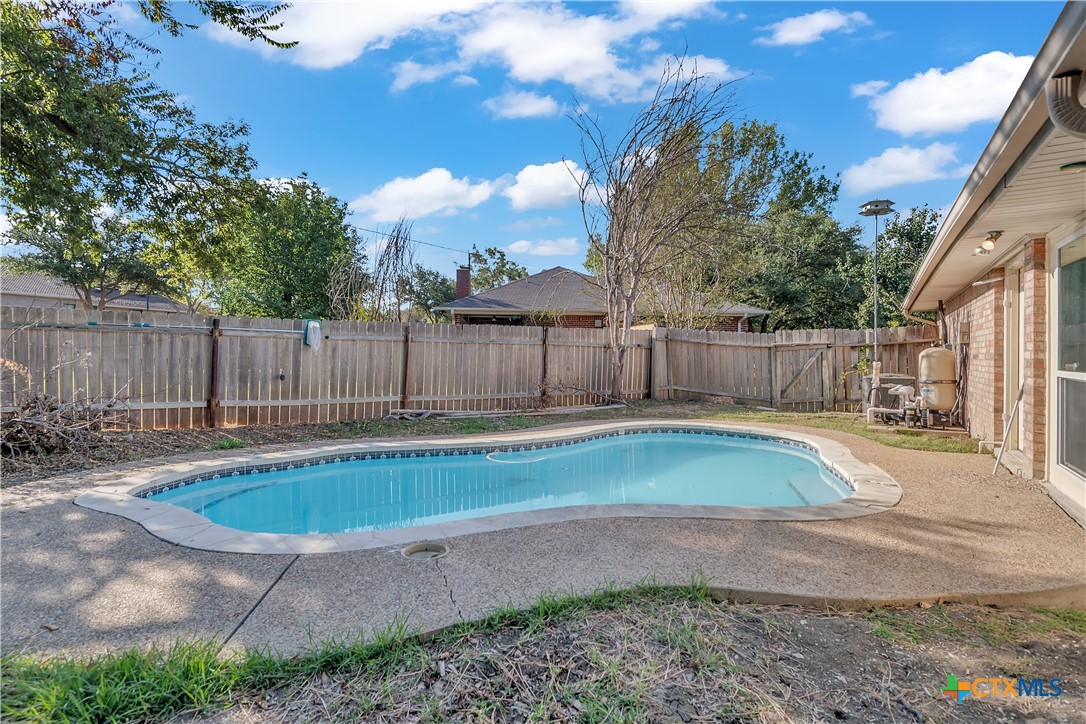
(1070, 392)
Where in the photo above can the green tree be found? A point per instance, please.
(188, 275)
(83, 122)
(107, 260)
(901, 248)
(806, 269)
(429, 288)
(769, 238)
(279, 254)
(490, 268)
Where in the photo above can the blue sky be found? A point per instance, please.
(453, 111)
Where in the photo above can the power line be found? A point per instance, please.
(436, 246)
(414, 240)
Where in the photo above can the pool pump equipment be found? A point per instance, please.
(893, 399)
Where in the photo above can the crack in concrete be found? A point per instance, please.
(259, 601)
(448, 586)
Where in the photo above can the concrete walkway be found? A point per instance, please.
(77, 580)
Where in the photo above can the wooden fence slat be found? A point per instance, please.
(266, 375)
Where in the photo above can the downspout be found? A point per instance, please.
(943, 336)
(1064, 103)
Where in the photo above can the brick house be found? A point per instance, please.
(558, 297)
(1009, 266)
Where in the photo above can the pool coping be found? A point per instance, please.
(873, 491)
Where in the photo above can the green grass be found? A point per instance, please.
(193, 677)
(994, 627)
(228, 443)
(839, 421)
(157, 684)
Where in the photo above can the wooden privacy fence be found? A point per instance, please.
(803, 370)
(176, 371)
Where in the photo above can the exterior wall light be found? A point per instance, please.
(990, 241)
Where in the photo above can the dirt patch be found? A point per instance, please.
(664, 660)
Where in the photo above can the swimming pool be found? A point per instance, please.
(368, 494)
(643, 468)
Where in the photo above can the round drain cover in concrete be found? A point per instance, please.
(424, 551)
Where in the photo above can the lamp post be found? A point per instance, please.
(876, 208)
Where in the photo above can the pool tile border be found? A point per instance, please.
(873, 489)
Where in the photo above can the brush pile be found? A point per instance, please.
(38, 424)
(42, 424)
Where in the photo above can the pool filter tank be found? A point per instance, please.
(938, 378)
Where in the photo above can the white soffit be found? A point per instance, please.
(1016, 186)
(1037, 200)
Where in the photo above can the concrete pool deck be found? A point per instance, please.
(82, 581)
(873, 491)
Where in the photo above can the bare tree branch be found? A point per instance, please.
(643, 200)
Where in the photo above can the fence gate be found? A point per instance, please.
(804, 377)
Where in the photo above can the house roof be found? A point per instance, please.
(1016, 186)
(45, 287)
(557, 290)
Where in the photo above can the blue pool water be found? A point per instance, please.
(673, 468)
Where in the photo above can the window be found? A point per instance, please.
(1071, 356)
(1071, 303)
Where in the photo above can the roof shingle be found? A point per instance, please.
(557, 290)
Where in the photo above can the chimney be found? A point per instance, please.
(463, 282)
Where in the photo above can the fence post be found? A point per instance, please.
(213, 403)
(828, 387)
(543, 384)
(659, 382)
(774, 381)
(404, 397)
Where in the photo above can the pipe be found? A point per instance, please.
(942, 324)
(872, 411)
(1007, 428)
(1064, 105)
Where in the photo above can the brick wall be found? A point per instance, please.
(1034, 306)
(982, 307)
(730, 324)
(580, 321)
(588, 321)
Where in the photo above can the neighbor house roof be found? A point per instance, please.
(46, 290)
(1016, 187)
(558, 290)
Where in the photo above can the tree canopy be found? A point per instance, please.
(901, 247)
(108, 258)
(491, 268)
(280, 251)
(84, 124)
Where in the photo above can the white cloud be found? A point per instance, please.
(935, 102)
(464, 80)
(435, 191)
(870, 88)
(409, 73)
(522, 104)
(546, 247)
(904, 165)
(809, 28)
(548, 186)
(534, 43)
(532, 224)
(544, 43)
(331, 34)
